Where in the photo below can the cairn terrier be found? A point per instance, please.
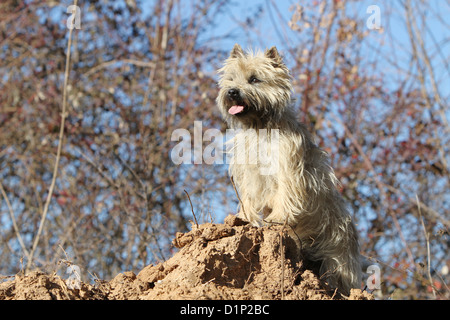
(255, 94)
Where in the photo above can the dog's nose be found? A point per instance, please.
(233, 93)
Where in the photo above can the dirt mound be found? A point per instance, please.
(216, 261)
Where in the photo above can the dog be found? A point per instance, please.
(298, 185)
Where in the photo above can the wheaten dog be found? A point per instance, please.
(280, 173)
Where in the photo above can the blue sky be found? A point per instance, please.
(267, 27)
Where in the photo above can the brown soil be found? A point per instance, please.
(216, 261)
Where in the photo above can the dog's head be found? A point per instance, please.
(255, 88)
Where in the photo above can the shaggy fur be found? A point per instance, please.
(300, 187)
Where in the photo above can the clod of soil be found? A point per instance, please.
(233, 260)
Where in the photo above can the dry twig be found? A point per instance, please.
(13, 219)
(427, 238)
(282, 257)
(58, 152)
(192, 208)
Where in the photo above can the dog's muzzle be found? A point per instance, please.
(238, 106)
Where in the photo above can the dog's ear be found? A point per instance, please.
(273, 54)
(236, 52)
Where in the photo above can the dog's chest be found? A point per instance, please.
(255, 161)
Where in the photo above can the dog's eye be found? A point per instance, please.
(253, 80)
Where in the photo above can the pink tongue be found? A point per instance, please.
(235, 109)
